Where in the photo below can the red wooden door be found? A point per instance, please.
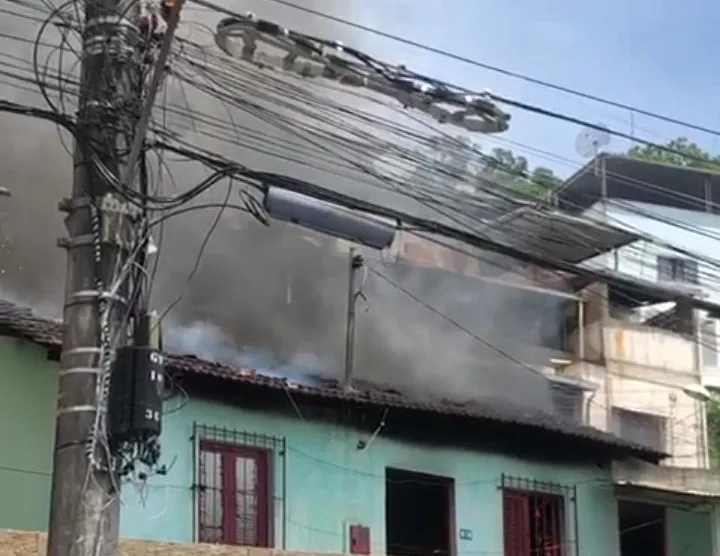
(516, 524)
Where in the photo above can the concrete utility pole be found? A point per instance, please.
(355, 262)
(84, 510)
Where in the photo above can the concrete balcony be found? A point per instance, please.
(663, 481)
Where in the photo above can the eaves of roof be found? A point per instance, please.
(21, 322)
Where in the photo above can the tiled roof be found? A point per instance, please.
(19, 321)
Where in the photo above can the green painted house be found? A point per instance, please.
(263, 461)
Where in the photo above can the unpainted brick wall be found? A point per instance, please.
(28, 543)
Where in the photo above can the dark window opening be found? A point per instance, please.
(642, 428)
(533, 524)
(418, 514)
(642, 529)
(234, 494)
(676, 269)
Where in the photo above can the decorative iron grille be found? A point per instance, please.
(239, 490)
(539, 517)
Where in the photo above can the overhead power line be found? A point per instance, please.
(590, 125)
(484, 65)
(400, 76)
(472, 238)
(210, 64)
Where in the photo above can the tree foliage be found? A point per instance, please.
(692, 155)
(462, 160)
(713, 431)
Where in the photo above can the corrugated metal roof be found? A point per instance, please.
(22, 322)
(557, 236)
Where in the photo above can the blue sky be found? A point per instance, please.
(657, 54)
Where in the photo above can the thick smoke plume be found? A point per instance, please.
(277, 295)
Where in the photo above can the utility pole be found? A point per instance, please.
(105, 230)
(355, 263)
(101, 226)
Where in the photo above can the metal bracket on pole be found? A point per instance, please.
(118, 222)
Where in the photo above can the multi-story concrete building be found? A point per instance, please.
(677, 207)
(632, 358)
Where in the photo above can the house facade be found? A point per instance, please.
(268, 462)
(612, 364)
(636, 367)
(645, 374)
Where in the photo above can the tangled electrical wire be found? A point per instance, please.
(347, 124)
(311, 56)
(319, 122)
(326, 123)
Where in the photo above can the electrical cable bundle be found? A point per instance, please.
(317, 57)
(433, 196)
(334, 126)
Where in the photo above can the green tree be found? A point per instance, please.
(514, 172)
(713, 430)
(504, 160)
(692, 155)
(457, 159)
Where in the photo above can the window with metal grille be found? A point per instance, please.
(236, 479)
(642, 428)
(677, 269)
(535, 518)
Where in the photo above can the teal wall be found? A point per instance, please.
(28, 390)
(689, 533)
(331, 484)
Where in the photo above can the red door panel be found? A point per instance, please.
(516, 524)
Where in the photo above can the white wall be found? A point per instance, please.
(644, 371)
(694, 231)
(697, 232)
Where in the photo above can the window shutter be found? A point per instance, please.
(516, 524)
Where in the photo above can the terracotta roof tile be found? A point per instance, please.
(22, 322)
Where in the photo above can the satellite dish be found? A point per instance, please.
(591, 140)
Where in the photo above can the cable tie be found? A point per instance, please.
(81, 370)
(77, 409)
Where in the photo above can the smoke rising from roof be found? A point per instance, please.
(280, 290)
